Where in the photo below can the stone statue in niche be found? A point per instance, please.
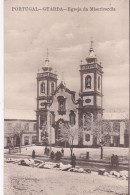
(61, 102)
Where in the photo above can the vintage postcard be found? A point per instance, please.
(66, 97)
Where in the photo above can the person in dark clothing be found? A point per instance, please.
(73, 161)
(45, 151)
(59, 155)
(62, 152)
(52, 155)
(33, 154)
(112, 159)
(56, 155)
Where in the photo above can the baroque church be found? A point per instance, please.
(58, 107)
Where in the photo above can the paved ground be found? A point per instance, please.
(94, 166)
(21, 180)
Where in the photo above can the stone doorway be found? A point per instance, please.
(60, 124)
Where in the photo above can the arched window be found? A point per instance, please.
(98, 83)
(88, 82)
(52, 88)
(52, 118)
(42, 87)
(42, 122)
(72, 117)
(87, 137)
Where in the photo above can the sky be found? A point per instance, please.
(67, 35)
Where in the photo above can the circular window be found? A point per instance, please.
(88, 100)
(42, 104)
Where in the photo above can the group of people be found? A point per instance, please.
(114, 160)
(57, 155)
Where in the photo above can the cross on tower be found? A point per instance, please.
(92, 42)
(62, 76)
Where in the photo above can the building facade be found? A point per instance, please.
(19, 132)
(57, 106)
(59, 110)
(117, 126)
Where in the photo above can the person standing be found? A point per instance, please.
(59, 155)
(73, 161)
(52, 155)
(62, 152)
(45, 151)
(56, 155)
(33, 154)
(112, 159)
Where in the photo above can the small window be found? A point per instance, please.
(87, 137)
(106, 125)
(8, 140)
(26, 140)
(34, 127)
(52, 88)
(98, 83)
(116, 126)
(17, 126)
(34, 138)
(26, 126)
(88, 82)
(115, 139)
(42, 87)
(107, 139)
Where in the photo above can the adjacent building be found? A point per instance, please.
(117, 125)
(19, 129)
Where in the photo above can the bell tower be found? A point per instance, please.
(46, 85)
(91, 85)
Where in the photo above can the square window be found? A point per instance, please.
(87, 137)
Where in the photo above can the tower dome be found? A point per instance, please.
(47, 67)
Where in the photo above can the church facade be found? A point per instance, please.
(57, 107)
